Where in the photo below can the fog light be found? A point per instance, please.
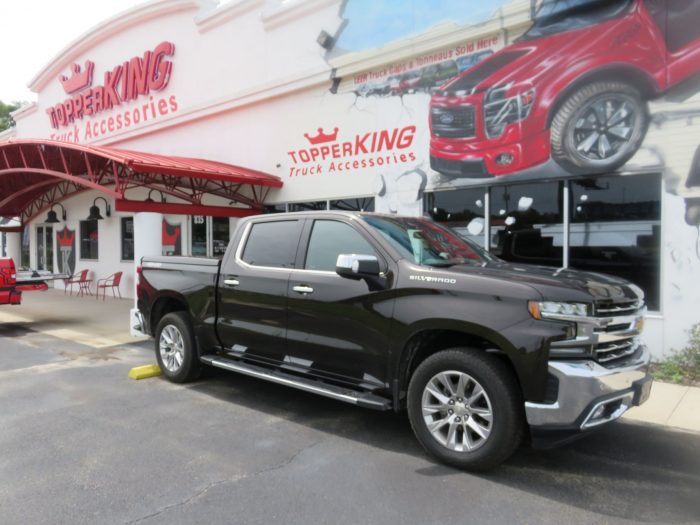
(504, 159)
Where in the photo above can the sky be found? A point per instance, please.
(34, 31)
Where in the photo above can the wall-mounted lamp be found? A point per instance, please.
(325, 40)
(95, 211)
(149, 199)
(51, 217)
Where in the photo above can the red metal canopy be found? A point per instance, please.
(34, 174)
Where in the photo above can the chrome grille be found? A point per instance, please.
(620, 336)
(454, 122)
(622, 308)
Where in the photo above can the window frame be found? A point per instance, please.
(245, 237)
(97, 242)
(122, 221)
(304, 246)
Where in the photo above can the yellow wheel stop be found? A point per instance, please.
(144, 372)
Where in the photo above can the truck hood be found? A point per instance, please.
(558, 284)
(526, 61)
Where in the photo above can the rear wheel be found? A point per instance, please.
(176, 350)
(465, 408)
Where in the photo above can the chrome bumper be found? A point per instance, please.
(590, 394)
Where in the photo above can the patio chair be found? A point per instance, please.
(109, 282)
(81, 279)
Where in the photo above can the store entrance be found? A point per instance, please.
(44, 248)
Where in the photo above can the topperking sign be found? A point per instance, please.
(131, 80)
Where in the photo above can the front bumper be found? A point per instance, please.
(589, 395)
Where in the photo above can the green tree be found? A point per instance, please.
(5, 110)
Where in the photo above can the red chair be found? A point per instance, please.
(109, 282)
(81, 279)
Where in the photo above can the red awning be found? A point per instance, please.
(34, 174)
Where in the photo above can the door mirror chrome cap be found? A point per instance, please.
(357, 266)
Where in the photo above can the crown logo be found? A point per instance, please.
(80, 79)
(65, 239)
(322, 137)
(170, 239)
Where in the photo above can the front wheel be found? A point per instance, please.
(176, 349)
(465, 408)
(599, 128)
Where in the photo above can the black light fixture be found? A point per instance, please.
(149, 199)
(325, 40)
(51, 217)
(95, 211)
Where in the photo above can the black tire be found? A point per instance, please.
(188, 368)
(570, 128)
(503, 398)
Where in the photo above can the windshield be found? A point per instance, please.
(425, 242)
(557, 16)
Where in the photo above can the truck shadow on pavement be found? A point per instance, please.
(627, 470)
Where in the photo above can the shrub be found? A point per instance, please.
(682, 366)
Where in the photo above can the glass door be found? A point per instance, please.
(44, 248)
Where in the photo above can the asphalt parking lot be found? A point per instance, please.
(82, 443)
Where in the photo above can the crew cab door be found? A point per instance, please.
(678, 23)
(252, 288)
(338, 328)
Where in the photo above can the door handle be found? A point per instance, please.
(303, 289)
(231, 282)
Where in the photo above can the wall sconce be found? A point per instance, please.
(95, 211)
(149, 199)
(51, 217)
(325, 40)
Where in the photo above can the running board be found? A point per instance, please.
(354, 397)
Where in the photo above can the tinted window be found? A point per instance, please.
(88, 240)
(557, 16)
(527, 223)
(220, 235)
(361, 204)
(461, 210)
(331, 238)
(272, 244)
(127, 238)
(616, 229)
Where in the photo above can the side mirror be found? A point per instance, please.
(357, 266)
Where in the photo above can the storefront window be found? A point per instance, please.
(220, 235)
(361, 204)
(24, 255)
(615, 229)
(308, 206)
(461, 210)
(527, 223)
(275, 208)
(127, 238)
(199, 236)
(89, 240)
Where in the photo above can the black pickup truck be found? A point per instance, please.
(395, 313)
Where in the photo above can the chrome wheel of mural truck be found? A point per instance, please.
(573, 88)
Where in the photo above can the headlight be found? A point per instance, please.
(558, 311)
(501, 110)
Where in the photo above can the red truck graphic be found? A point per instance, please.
(574, 88)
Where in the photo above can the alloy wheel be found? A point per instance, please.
(172, 348)
(457, 411)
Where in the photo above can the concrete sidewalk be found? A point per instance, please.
(100, 324)
(85, 319)
(671, 405)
